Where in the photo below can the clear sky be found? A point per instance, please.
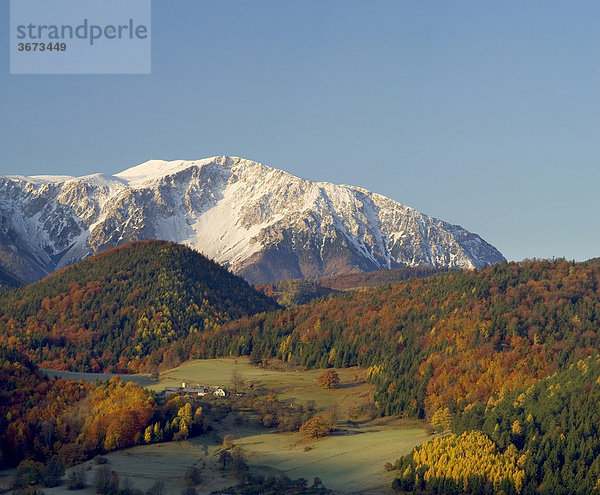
(484, 113)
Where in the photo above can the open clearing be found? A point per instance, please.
(289, 385)
(350, 461)
(168, 462)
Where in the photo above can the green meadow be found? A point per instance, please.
(349, 461)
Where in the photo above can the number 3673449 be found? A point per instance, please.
(42, 47)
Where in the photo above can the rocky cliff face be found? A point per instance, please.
(263, 223)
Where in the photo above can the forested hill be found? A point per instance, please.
(541, 439)
(118, 311)
(445, 341)
(449, 340)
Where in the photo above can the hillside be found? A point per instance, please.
(28, 399)
(549, 431)
(505, 356)
(51, 424)
(261, 222)
(119, 310)
(453, 339)
(449, 340)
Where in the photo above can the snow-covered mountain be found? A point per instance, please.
(263, 223)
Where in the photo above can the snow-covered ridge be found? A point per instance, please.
(156, 169)
(262, 222)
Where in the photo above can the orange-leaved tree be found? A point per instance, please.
(315, 428)
(329, 379)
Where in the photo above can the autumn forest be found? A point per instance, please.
(502, 363)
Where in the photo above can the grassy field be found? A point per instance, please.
(350, 461)
(289, 385)
(168, 462)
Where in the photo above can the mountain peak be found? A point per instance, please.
(262, 222)
(153, 170)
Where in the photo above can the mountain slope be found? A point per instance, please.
(8, 280)
(555, 423)
(114, 310)
(263, 223)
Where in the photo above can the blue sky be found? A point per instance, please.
(481, 113)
